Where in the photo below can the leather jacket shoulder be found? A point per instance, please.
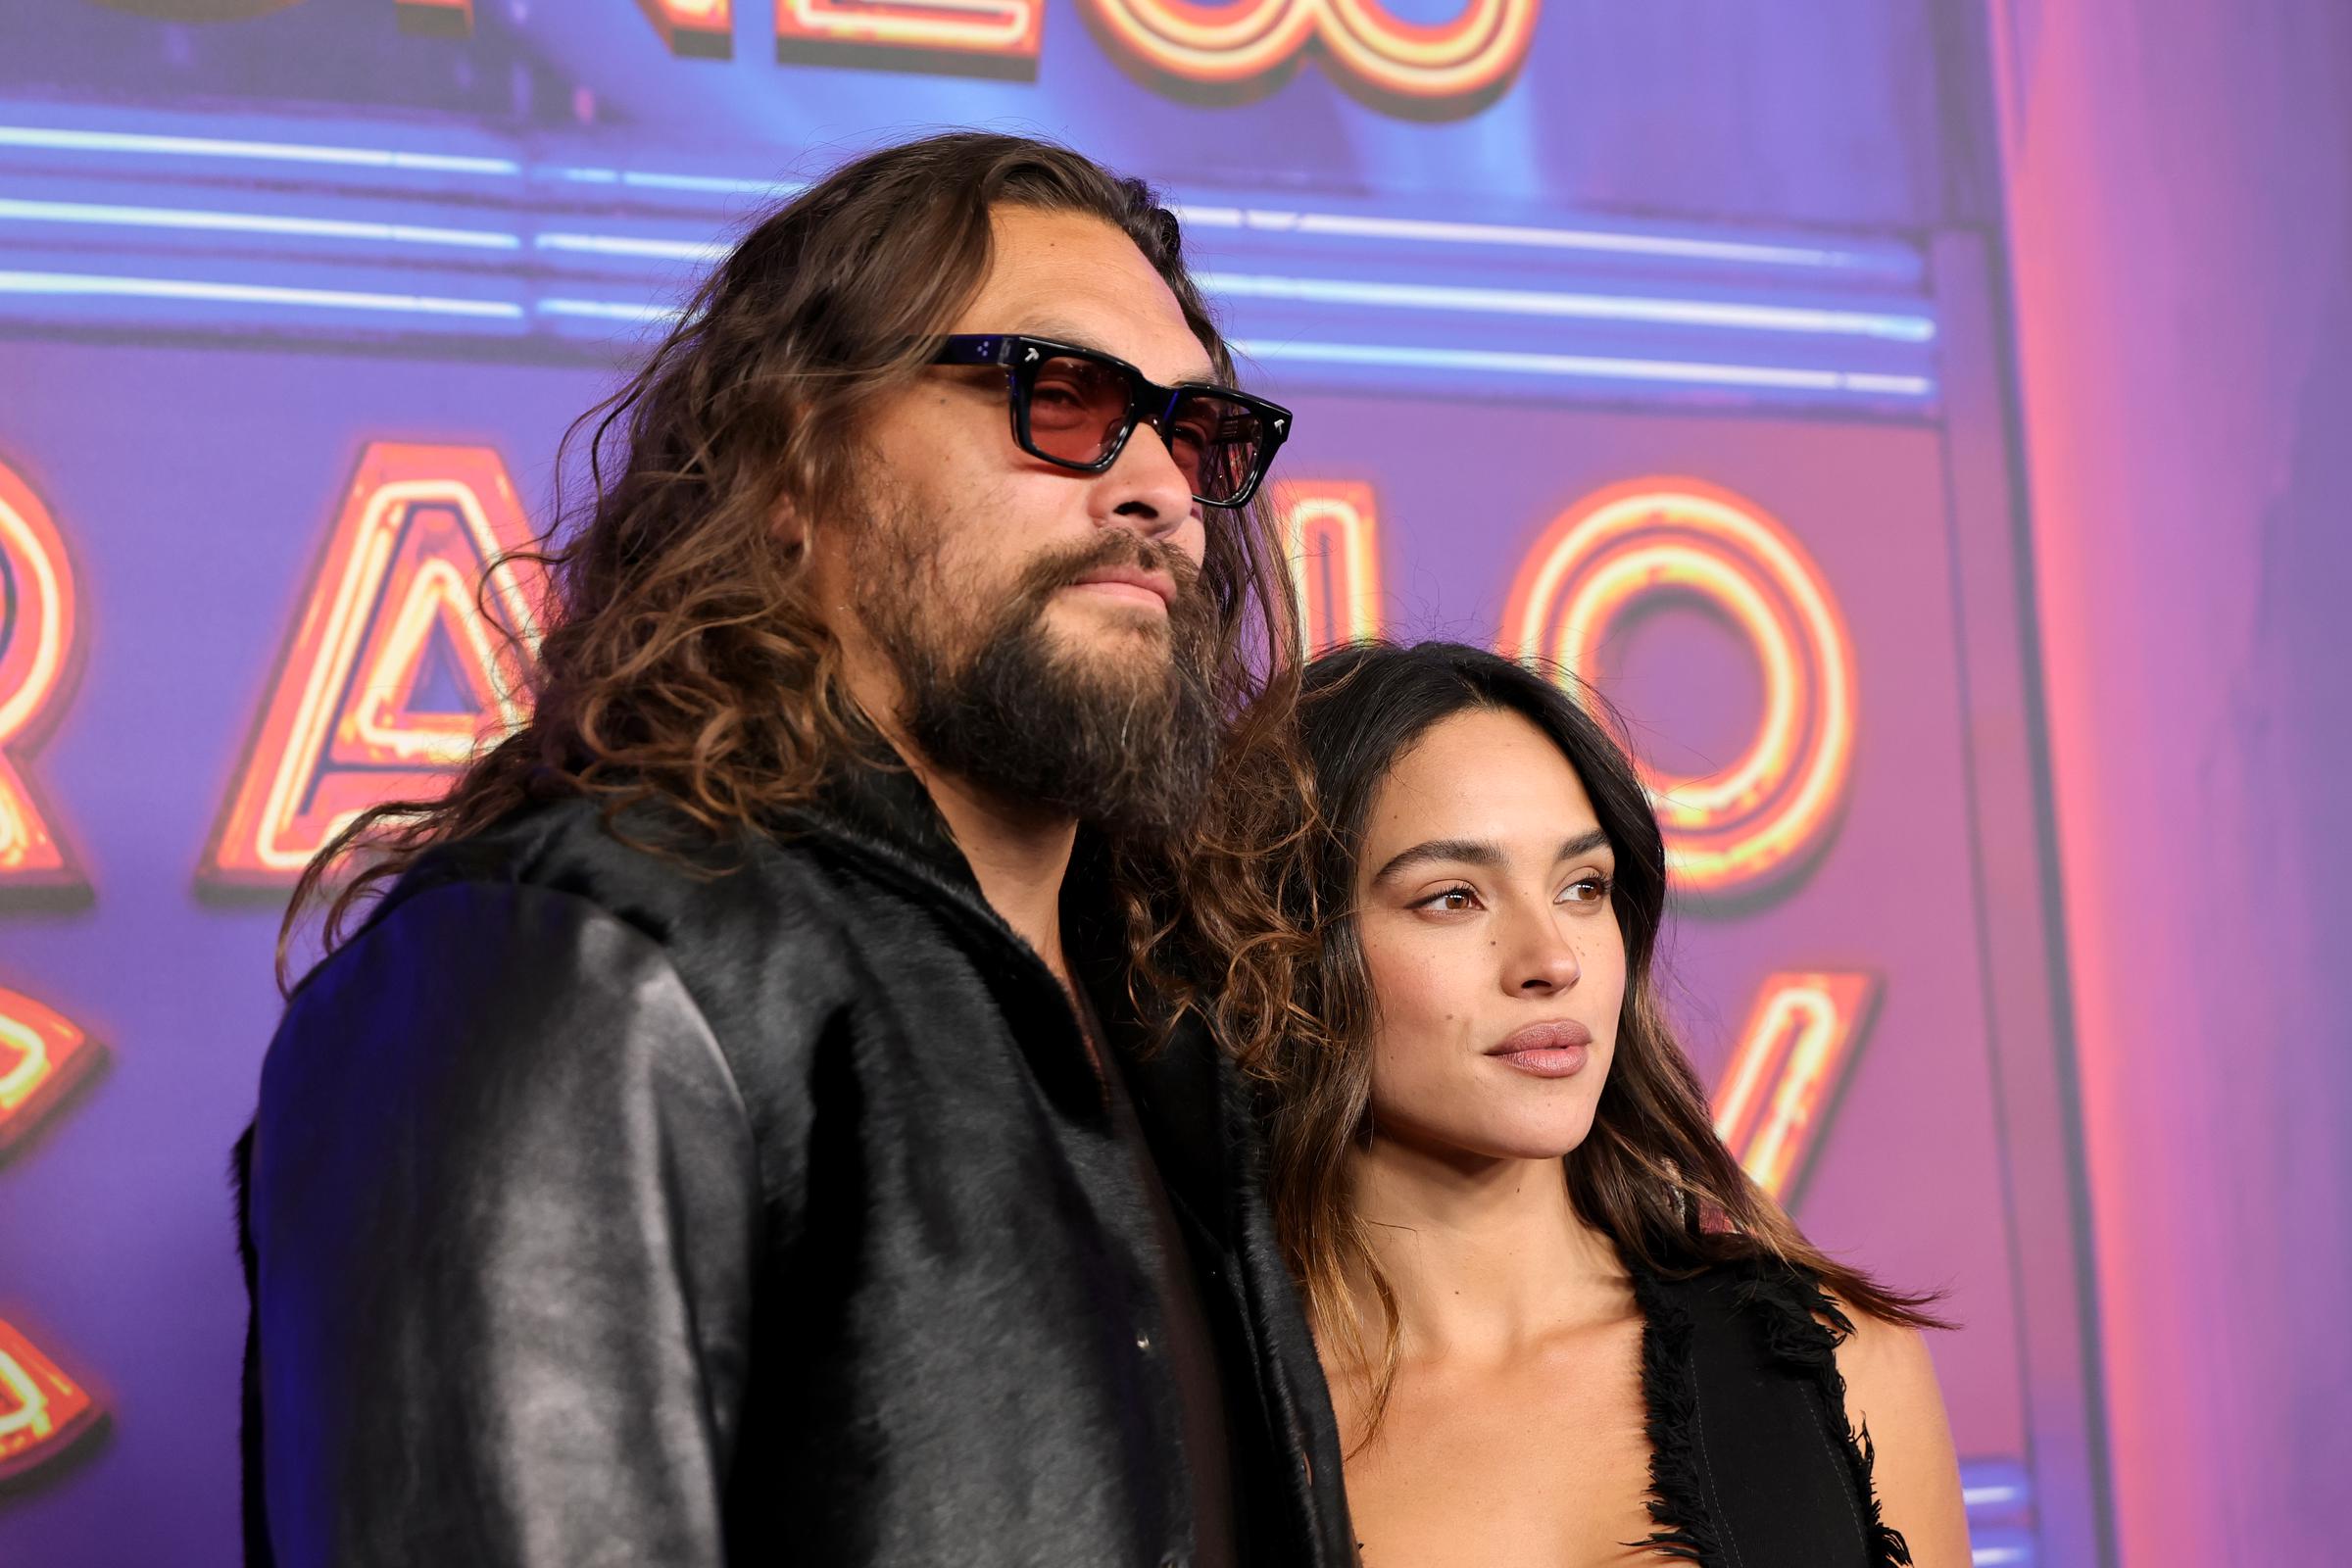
(605, 1205)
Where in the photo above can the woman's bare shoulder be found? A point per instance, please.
(1891, 1395)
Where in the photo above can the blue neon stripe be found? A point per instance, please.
(86, 284)
(1513, 361)
(1352, 225)
(124, 141)
(724, 185)
(610, 309)
(251, 223)
(1596, 307)
(680, 250)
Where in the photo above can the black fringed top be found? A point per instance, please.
(1753, 1463)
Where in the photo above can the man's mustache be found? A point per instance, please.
(1119, 548)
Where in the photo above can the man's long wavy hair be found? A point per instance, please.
(682, 661)
(1270, 925)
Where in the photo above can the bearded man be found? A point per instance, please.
(733, 1133)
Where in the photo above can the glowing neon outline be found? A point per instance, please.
(1887, 260)
(1465, 55)
(200, 218)
(1546, 303)
(1607, 550)
(53, 1054)
(1596, 367)
(1018, 25)
(1773, 1093)
(710, 22)
(54, 139)
(248, 842)
(16, 1084)
(32, 852)
(109, 285)
(437, 589)
(38, 1430)
(1344, 517)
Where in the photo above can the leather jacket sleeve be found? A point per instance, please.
(504, 1206)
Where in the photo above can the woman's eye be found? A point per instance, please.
(1586, 889)
(1449, 899)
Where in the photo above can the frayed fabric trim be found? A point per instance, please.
(1676, 1501)
(1802, 1330)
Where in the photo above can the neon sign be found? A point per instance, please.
(1792, 1056)
(695, 29)
(36, 658)
(42, 1055)
(393, 674)
(1423, 66)
(1331, 528)
(976, 37)
(43, 1412)
(1372, 47)
(1620, 546)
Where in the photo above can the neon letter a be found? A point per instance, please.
(393, 673)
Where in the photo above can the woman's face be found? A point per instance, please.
(1483, 907)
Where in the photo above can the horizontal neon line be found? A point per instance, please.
(629, 245)
(2000, 1554)
(123, 141)
(1359, 226)
(610, 309)
(1991, 1497)
(1578, 364)
(1269, 219)
(250, 224)
(174, 288)
(1598, 306)
(659, 181)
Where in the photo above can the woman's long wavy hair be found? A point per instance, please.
(1270, 924)
(682, 659)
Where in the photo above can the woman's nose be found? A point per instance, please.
(1544, 960)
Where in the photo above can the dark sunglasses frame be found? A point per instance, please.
(1147, 402)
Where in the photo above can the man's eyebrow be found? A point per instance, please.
(1481, 853)
(1079, 337)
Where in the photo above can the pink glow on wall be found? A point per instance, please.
(2181, 196)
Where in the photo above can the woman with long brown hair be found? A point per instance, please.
(1561, 1326)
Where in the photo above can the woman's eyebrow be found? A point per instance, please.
(1458, 852)
(1481, 853)
(1583, 844)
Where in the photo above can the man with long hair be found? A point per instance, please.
(725, 1128)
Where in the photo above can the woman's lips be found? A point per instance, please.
(1557, 1050)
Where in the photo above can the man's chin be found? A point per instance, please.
(1129, 644)
(1078, 618)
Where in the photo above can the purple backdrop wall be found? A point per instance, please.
(1762, 254)
(2182, 210)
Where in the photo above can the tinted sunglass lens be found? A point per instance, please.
(1216, 442)
(1076, 407)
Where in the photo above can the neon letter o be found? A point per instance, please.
(1726, 831)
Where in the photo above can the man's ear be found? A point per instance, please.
(790, 526)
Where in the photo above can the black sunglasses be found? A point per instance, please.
(1076, 408)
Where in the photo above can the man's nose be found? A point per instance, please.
(1147, 490)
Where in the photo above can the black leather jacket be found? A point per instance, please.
(597, 1214)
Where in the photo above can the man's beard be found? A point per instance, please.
(1123, 738)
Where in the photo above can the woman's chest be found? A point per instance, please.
(1541, 1465)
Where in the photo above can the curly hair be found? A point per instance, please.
(683, 659)
(1268, 934)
